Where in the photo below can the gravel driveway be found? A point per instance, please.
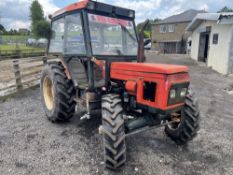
(29, 144)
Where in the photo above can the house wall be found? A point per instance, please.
(218, 54)
(231, 53)
(158, 37)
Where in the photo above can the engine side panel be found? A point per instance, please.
(143, 82)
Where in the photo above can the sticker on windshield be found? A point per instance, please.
(109, 20)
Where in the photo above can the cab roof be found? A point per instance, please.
(72, 7)
(95, 6)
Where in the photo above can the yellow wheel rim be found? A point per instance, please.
(48, 93)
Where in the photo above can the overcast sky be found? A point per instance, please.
(15, 13)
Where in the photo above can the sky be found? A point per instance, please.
(15, 13)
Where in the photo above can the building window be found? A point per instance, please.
(215, 38)
(171, 28)
(163, 29)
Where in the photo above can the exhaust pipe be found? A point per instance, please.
(141, 53)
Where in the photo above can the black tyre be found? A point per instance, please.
(113, 131)
(57, 93)
(188, 125)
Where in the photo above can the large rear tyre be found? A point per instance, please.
(187, 125)
(57, 93)
(113, 131)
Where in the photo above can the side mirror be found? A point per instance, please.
(141, 54)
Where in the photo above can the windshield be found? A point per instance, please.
(112, 36)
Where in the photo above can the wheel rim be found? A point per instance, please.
(176, 120)
(48, 93)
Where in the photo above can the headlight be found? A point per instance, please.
(177, 93)
(183, 92)
(172, 94)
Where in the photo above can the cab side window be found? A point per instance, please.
(56, 42)
(74, 41)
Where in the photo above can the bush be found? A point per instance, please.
(147, 34)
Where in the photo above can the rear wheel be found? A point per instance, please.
(186, 122)
(57, 93)
(113, 131)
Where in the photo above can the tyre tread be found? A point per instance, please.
(113, 131)
(65, 91)
(190, 125)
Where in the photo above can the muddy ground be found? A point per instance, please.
(29, 144)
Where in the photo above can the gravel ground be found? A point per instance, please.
(29, 144)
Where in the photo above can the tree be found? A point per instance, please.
(2, 28)
(39, 25)
(139, 26)
(37, 13)
(225, 9)
(43, 29)
(147, 32)
(11, 32)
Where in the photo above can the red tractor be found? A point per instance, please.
(101, 69)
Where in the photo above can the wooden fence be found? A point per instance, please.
(25, 73)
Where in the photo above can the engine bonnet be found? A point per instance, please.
(149, 67)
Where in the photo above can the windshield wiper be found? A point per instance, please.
(118, 51)
(128, 32)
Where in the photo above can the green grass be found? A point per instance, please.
(13, 47)
(15, 38)
(11, 51)
(20, 50)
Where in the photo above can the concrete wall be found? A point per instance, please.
(218, 54)
(176, 35)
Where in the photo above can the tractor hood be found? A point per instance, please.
(148, 68)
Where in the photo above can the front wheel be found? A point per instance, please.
(113, 131)
(186, 122)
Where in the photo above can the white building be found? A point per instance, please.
(212, 40)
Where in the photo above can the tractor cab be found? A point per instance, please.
(89, 30)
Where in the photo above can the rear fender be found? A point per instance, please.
(67, 71)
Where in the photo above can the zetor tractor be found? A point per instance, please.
(101, 69)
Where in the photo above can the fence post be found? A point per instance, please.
(17, 74)
(44, 59)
